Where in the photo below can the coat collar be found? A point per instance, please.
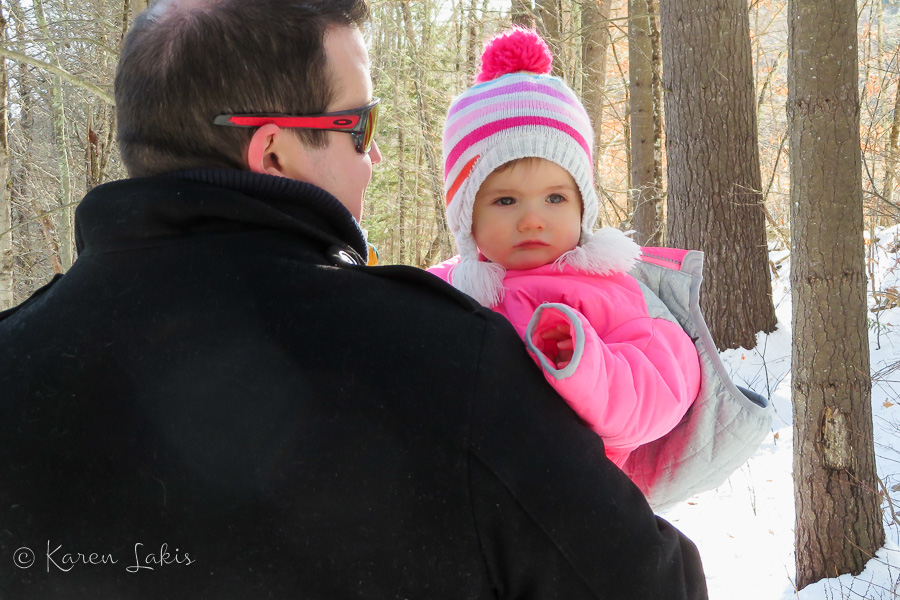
(147, 211)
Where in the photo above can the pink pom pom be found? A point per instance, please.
(516, 50)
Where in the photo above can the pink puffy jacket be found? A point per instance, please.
(632, 376)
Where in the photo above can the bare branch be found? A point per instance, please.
(62, 73)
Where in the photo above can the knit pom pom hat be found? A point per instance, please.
(516, 109)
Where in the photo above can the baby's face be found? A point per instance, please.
(527, 215)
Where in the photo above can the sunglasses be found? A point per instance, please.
(358, 122)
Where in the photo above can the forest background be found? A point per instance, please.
(628, 60)
(60, 133)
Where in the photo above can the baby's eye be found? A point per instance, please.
(556, 199)
(505, 201)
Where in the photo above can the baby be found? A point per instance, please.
(521, 203)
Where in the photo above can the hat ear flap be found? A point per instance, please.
(607, 250)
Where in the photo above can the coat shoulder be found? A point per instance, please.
(32, 299)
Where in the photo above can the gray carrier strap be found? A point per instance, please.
(724, 426)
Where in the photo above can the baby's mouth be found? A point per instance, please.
(531, 244)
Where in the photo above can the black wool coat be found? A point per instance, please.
(215, 402)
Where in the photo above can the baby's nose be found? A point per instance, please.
(531, 220)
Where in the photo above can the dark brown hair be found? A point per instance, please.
(181, 68)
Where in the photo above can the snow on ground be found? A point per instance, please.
(745, 528)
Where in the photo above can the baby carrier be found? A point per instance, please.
(726, 423)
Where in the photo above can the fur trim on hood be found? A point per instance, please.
(607, 250)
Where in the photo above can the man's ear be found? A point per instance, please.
(268, 150)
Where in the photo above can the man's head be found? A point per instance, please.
(187, 61)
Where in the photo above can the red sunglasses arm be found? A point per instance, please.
(315, 122)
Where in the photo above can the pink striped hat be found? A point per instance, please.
(515, 110)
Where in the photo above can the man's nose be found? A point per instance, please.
(375, 153)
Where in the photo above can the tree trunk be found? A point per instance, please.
(715, 203)
(66, 212)
(838, 521)
(888, 212)
(891, 164)
(619, 214)
(549, 21)
(400, 235)
(6, 255)
(126, 20)
(646, 168)
(594, 46)
(473, 47)
(658, 117)
(92, 155)
(435, 186)
(22, 192)
(520, 13)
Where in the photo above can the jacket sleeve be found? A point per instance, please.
(633, 386)
(555, 518)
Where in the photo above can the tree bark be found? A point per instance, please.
(645, 195)
(658, 116)
(473, 48)
(549, 21)
(400, 235)
(888, 194)
(838, 521)
(21, 192)
(24, 177)
(520, 13)
(435, 186)
(64, 199)
(6, 255)
(594, 47)
(715, 203)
